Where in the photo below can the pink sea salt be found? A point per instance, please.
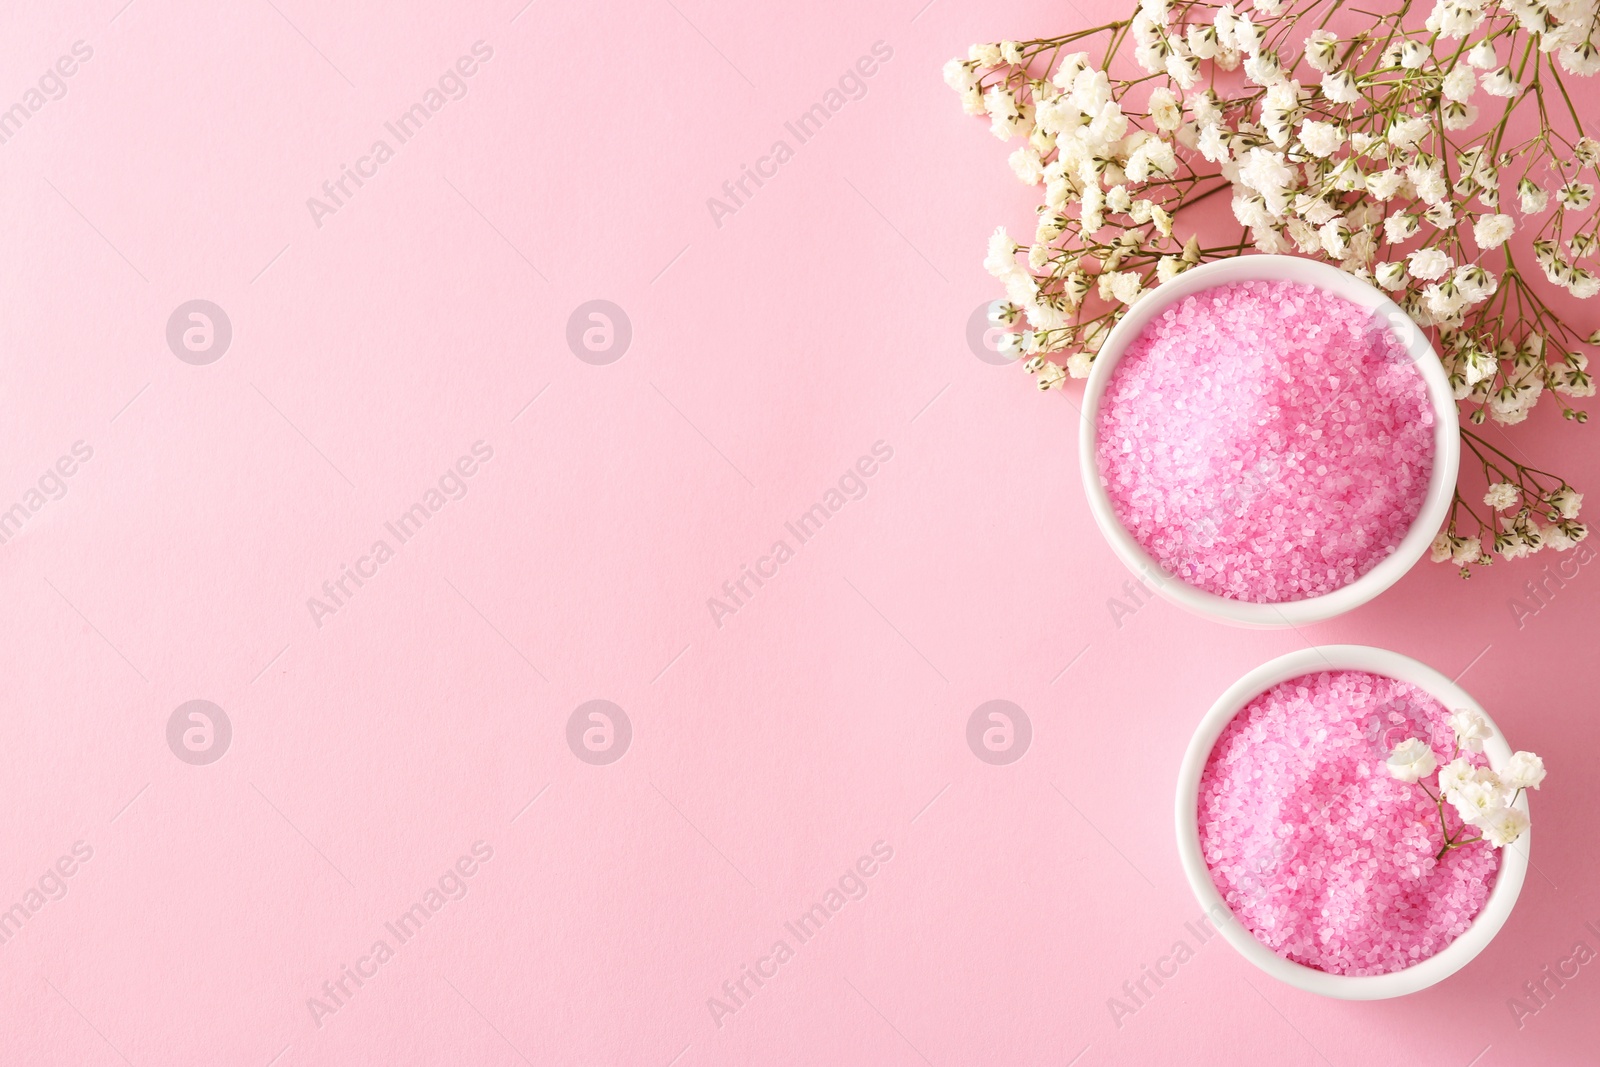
(1318, 851)
(1266, 441)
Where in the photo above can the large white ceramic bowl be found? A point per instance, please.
(1513, 858)
(1446, 441)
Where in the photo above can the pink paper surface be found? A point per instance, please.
(775, 748)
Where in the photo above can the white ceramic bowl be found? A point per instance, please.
(1513, 858)
(1446, 441)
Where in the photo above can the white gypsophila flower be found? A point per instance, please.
(1164, 109)
(1321, 139)
(1482, 55)
(1400, 226)
(1491, 231)
(1002, 257)
(1183, 69)
(1503, 825)
(1270, 8)
(1566, 501)
(960, 73)
(1092, 214)
(1202, 40)
(1471, 729)
(1455, 18)
(1383, 185)
(1429, 181)
(1467, 550)
(1246, 35)
(1530, 198)
(1091, 90)
(1335, 238)
(1067, 72)
(1126, 286)
(972, 100)
(1322, 47)
(1523, 770)
(1264, 69)
(1118, 199)
(1441, 216)
(1459, 84)
(1011, 52)
(1340, 87)
(1169, 267)
(1458, 116)
(1412, 760)
(1583, 284)
(1587, 151)
(1429, 264)
(1455, 773)
(1582, 60)
(1575, 195)
(1027, 166)
(1038, 256)
(1007, 114)
(1214, 143)
(1021, 287)
(1501, 83)
(985, 55)
(1476, 796)
(1267, 173)
(1413, 54)
(1502, 495)
(1391, 276)
(1406, 132)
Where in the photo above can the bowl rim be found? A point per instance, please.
(1441, 482)
(1513, 859)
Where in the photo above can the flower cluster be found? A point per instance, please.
(1390, 152)
(1484, 800)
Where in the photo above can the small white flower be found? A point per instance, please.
(1002, 257)
(1406, 132)
(1582, 60)
(1412, 760)
(1523, 770)
(1467, 550)
(1501, 83)
(1442, 545)
(1335, 238)
(1502, 826)
(1455, 774)
(1011, 52)
(1026, 165)
(1392, 276)
(1429, 181)
(1383, 185)
(1214, 143)
(985, 55)
(1164, 109)
(1459, 84)
(1266, 172)
(1429, 264)
(1482, 55)
(1566, 501)
(1471, 729)
(1246, 35)
(1413, 54)
(1123, 286)
(1185, 70)
(1476, 797)
(1340, 88)
(1491, 231)
(1575, 195)
(1321, 139)
(1531, 199)
(960, 73)
(1502, 495)
(1322, 47)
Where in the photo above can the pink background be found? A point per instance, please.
(829, 713)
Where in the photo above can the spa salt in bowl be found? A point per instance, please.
(1266, 441)
(1318, 851)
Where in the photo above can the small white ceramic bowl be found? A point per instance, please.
(1446, 441)
(1436, 968)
